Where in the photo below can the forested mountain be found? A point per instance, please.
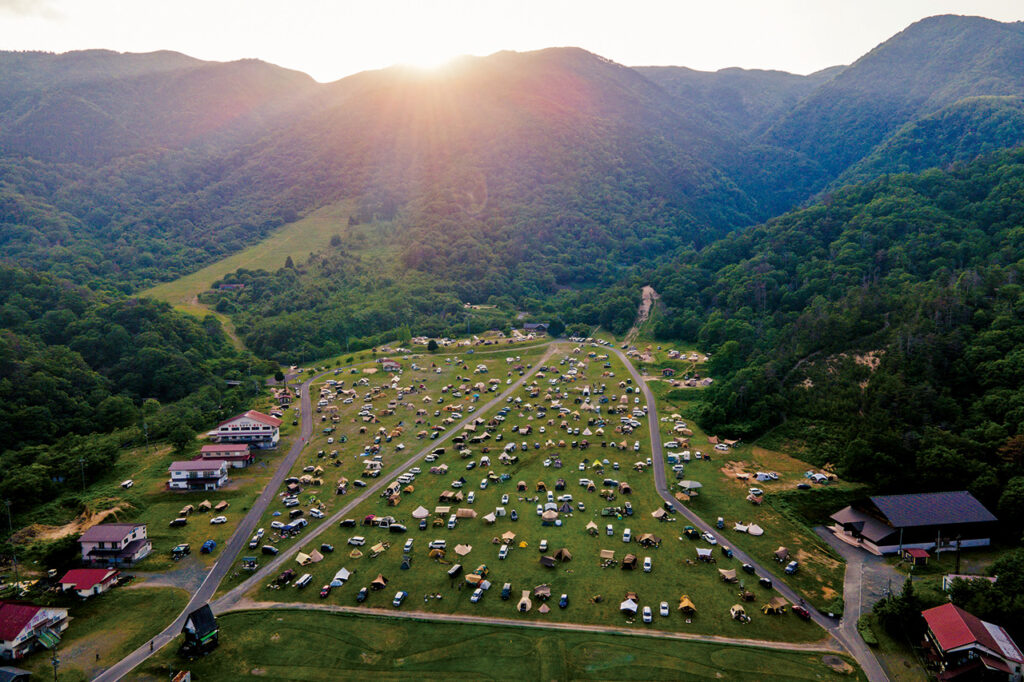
(883, 329)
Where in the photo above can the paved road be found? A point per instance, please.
(852, 642)
(227, 600)
(247, 605)
(238, 540)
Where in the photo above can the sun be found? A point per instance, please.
(429, 58)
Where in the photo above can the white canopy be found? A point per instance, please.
(420, 512)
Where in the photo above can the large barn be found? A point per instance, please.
(887, 524)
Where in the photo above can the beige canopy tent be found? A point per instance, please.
(542, 591)
(524, 604)
(563, 554)
(686, 605)
(464, 513)
(629, 562)
(547, 561)
(508, 536)
(378, 548)
(442, 510)
(436, 553)
(755, 529)
(781, 554)
(607, 554)
(728, 574)
(740, 527)
(186, 510)
(221, 506)
(544, 608)
(355, 554)
(463, 550)
(379, 583)
(303, 559)
(691, 487)
(420, 512)
(659, 514)
(205, 505)
(474, 578)
(549, 515)
(592, 528)
(775, 605)
(682, 497)
(490, 517)
(738, 612)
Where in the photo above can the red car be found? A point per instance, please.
(801, 611)
(324, 591)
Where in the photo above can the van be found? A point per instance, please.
(295, 513)
(270, 549)
(451, 522)
(454, 571)
(306, 579)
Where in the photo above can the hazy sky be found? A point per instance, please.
(332, 39)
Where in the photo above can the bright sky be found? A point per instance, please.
(331, 39)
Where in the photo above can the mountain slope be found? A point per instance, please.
(931, 64)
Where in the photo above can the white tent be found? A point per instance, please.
(340, 577)
(420, 512)
(755, 529)
(628, 606)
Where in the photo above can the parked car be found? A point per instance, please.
(362, 594)
(348, 523)
(217, 520)
(563, 601)
(791, 568)
(503, 552)
(477, 594)
(316, 513)
(627, 535)
(648, 564)
(663, 609)
(357, 540)
(647, 614)
(407, 547)
(326, 548)
(437, 544)
(324, 591)
(801, 611)
(506, 591)
(709, 538)
(399, 598)
(543, 546)
(208, 546)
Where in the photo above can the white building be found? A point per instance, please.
(258, 429)
(198, 474)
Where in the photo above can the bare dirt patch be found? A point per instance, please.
(85, 521)
(733, 469)
(818, 558)
(837, 664)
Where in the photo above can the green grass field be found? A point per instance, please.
(110, 625)
(297, 240)
(675, 571)
(297, 645)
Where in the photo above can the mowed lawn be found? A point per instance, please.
(594, 592)
(301, 645)
(820, 577)
(299, 239)
(109, 625)
(350, 461)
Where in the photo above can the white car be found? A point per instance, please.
(471, 497)
(755, 491)
(415, 470)
(709, 538)
(504, 499)
(503, 552)
(627, 535)
(543, 547)
(316, 513)
(647, 614)
(663, 609)
(357, 540)
(408, 545)
(648, 564)
(219, 519)
(276, 525)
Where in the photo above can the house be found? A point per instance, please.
(389, 365)
(889, 524)
(967, 647)
(258, 429)
(668, 372)
(916, 556)
(198, 474)
(536, 327)
(25, 628)
(237, 455)
(89, 581)
(201, 632)
(115, 544)
(283, 396)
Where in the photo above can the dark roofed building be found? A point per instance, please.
(886, 524)
(201, 632)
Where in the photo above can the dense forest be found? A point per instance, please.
(882, 329)
(76, 367)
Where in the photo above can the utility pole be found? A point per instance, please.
(957, 571)
(55, 662)
(14, 555)
(81, 465)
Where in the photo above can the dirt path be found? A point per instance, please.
(648, 299)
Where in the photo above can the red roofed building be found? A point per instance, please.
(89, 581)
(25, 628)
(968, 647)
(252, 427)
(237, 455)
(115, 544)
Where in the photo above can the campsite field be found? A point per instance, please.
(351, 460)
(594, 592)
(303, 645)
(109, 625)
(821, 572)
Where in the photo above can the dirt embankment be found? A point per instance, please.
(40, 532)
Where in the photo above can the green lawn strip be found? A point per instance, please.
(302, 645)
(111, 625)
(896, 656)
(582, 578)
(821, 572)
